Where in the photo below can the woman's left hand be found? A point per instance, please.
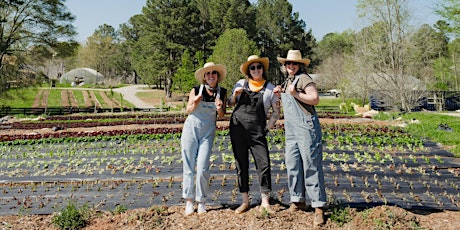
(218, 103)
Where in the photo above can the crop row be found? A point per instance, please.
(111, 120)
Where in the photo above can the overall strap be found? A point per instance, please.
(262, 91)
(218, 92)
(296, 79)
(200, 91)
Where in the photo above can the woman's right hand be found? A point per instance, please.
(197, 99)
(238, 91)
(277, 91)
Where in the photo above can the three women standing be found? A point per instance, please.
(253, 98)
(199, 132)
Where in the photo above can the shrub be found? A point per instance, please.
(71, 217)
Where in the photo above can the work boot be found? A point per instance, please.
(297, 206)
(319, 217)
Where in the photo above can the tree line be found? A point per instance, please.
(170, 39)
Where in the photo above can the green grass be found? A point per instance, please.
(18, 98)
(54, 98)
(425, 124)
(24, 98)
(330, 101)
(79, 97)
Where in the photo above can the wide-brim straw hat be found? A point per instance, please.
(244, 68)
(294, 56)
(210, 66)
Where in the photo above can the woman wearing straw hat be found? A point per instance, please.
(253, 97)
(199, 132)
(303, 136)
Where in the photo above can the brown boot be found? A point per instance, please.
(319, 217)
(297, 206)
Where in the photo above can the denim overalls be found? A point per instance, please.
(247, 134)
(196, 144)
(303, 153)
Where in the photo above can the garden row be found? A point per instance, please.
(141, 170)
(65, 122)
(70, 99)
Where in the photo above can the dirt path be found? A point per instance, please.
(129, 94)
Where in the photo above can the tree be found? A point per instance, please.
(383, 51)
(450, 11)
(98, 49)
(280, 30)
(169, 28)
(454, 51)
(25, 24)
(184, 78)
(427, 46)
(232, 49)
(335, 52)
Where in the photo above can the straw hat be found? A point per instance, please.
(244, 68)
(294, 56)
(210, 66)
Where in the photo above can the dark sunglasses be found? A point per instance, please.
(255, 66)
(291, 63)
(211, 72)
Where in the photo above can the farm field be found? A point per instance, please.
(368, 166)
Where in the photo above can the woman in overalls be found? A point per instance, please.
(253, 98)
(303, 136)
(199, 131)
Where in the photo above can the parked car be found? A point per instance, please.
(335, 92)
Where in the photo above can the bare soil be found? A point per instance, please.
(380, 217)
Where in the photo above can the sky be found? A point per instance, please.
(322, 17)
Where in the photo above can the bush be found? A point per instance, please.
(71, 217)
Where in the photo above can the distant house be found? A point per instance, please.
(82, 76)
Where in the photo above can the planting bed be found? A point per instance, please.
(136, 164)
(365, 166)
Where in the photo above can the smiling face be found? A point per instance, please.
(291, 67)
(212, 78)
(256, 71)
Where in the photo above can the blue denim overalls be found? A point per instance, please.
(196, 143)
(303, 153)
(247, 134)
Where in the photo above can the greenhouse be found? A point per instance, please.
(82, 76)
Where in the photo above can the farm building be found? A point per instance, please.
(82, 76)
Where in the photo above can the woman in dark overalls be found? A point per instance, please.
(205, 101)
(304, 156)
(253, 98)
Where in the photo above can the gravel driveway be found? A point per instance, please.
(129, 94)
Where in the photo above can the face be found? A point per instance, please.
(212, 78)
(291, 67)
(256, 70)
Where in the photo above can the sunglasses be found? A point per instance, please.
(255, 66)
(211, 72)
(291, 63)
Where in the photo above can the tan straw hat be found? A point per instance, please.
(294, 56)
(210, 66)
(244, 68)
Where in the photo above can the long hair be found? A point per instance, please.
(302, 69)
(264, 75)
